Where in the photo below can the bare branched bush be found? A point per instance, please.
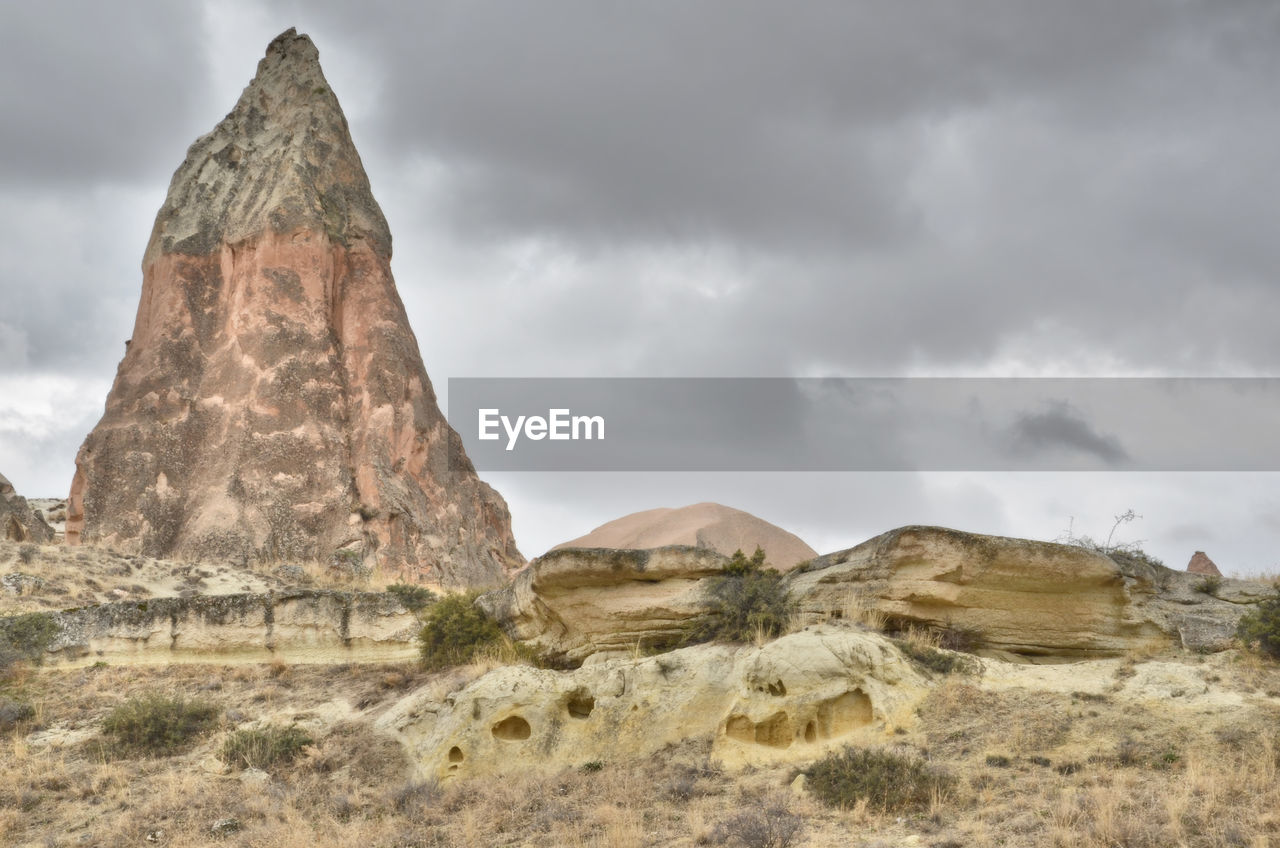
(761, 823)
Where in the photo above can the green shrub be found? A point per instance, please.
(158, 725)
(264, 747)
(26, 637)
(414, 598)
(889, 782)
(747, 600)
(1260, 626)
(454, 630)
(1209, 584)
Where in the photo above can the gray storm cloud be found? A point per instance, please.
(710, 189)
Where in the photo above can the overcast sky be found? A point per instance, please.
(709, 189)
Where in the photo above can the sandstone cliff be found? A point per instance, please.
(1016, 598)
(577, 603)
(706, 525)
(1020, 596)
(299, 625)
(18, 521)
(272, 403)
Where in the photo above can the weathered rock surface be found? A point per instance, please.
(705, 525)
(272, 403)
(54, 513)
(18, 521)
(1201, 564)
(1022, 597)
(788, 701)
(295, 626)
(573, 603)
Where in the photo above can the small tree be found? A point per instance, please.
(454, 629)
(746, 600)
(413, 597)
(1260, 626)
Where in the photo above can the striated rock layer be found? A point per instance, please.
(1019, 596)
(272, 404)
(576, 603)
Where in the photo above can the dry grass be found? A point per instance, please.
(860, 610)
(1268, 577)
(1031, 768)
(80, 576)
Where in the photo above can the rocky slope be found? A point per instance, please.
(705, 525)
(272, 403)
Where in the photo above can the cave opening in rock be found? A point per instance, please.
(580, 705)
(512, 729)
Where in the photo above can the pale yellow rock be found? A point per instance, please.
(1020, 597)
(788, 701)
(574, 603)
(301, 626)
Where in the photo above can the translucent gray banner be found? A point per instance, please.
(868, 424)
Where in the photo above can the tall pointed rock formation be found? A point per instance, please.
(272, 404)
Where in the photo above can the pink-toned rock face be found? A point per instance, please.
(1201, 564)
(272, 404)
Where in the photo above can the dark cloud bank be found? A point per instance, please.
(710, 189)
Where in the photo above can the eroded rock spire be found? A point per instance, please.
(272, 404)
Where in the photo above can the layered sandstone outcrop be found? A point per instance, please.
(1011, 597)
(299, 625)
(272, 404)
(705, 525)
(788, 701)
(575, 603)
(18, 521)
(1019, 596)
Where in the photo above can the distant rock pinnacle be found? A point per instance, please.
(272, 404)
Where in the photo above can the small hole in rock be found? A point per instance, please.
(810, 732)
(512, 728)
(455, 754)
(581, 704)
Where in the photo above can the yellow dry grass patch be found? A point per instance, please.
(1032, 767)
